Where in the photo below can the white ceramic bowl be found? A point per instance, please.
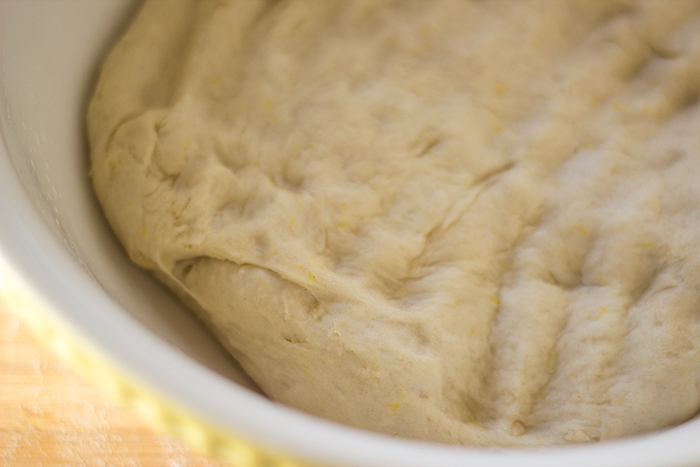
(62, 268)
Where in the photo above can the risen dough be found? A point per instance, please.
(467, 222)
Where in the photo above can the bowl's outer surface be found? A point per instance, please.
(61, 265)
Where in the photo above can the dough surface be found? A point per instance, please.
(472, 222)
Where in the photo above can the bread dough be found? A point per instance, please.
(471, 222)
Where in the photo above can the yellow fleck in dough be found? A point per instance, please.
(491, 205)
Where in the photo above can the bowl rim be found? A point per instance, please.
(36, 267)
(37, 271)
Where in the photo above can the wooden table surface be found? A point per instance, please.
(51, 417)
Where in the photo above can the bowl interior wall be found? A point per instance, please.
(50, 55)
